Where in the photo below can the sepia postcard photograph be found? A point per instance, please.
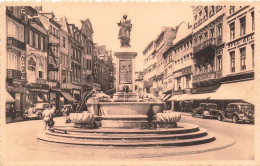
(129, 83)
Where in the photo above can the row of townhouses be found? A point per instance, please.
(52, 60)
(213, 59)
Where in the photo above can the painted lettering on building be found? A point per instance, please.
(241, 40)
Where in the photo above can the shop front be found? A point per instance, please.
(38, 93)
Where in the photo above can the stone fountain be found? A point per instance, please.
(126, 120)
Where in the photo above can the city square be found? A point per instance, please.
(187, 94)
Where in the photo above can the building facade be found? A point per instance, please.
(16, 22)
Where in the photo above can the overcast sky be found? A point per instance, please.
(147, 19)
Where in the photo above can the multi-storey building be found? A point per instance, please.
(178, 66)
(75, 53)
(238, 56)
(149, 71)
(53, 55)
(65, 68)
(87, 58)
(161, 44)
(208, 44)
(16, 21)
(139, 83)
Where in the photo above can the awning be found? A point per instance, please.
(237, 91)
(201, 96)
(174, 97)
(183, 97)
(9, 98)
(69, 97)
(167, 97)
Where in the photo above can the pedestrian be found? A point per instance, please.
(48, 115)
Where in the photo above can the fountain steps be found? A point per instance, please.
(127, 143)
(184, 135)
(131, 137)
(182, 128)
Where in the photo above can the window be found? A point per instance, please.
(253, 20)
(243, 58)
(232, 61)
(242, 26)
(41, 68)
(188, 79)
(63, 39)
(218, 8)
(253, 55)
(219, 30)
(231, 9)
(205, 12)
(219, 63)
(13, 30)
(31, 38)
(31, 64)
(206, 35)
(42, 43)
(212, 33)
(178, 83)
(232, 30)
(36, 40)
(69, 77)
(63, 76)
(50, 29)
(211, 12)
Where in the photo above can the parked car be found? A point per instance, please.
(36, 111)
(66, 109)
(238, 112)
(206, 110)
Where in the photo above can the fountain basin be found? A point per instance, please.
(129, 108)
(82, 118)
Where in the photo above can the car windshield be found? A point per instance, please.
(212, 106)
(246, 107)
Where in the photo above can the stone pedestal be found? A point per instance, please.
(125, 73)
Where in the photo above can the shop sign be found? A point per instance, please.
(38, 86)
(241, 40)
(23, 69)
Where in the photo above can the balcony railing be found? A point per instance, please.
(11, 73)
(204, 77)
(16, 43)
(205, 44)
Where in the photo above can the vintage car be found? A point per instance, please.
(66, 109)
(238, 112)
(206, 110)
(36, 111)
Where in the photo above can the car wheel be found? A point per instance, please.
(192, 114)
(40, 115)
(220, 118)
(235, 119)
